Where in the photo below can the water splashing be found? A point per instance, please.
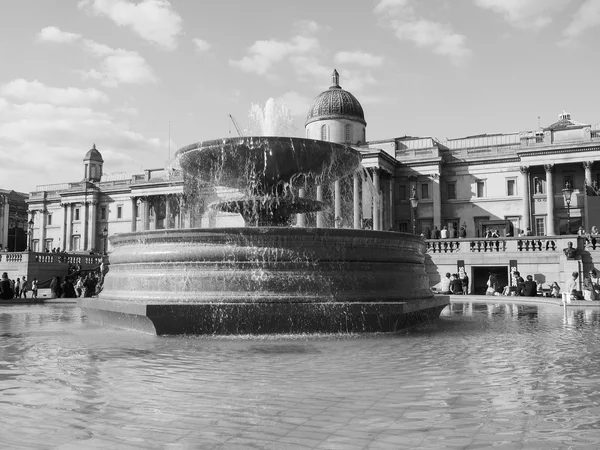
(272, 120)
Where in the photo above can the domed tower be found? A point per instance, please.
(336, 116)
(93, 165)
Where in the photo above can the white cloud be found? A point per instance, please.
(43, 143)
(201, 45)
(586, 17)
(525, 14)
(152, 20)
(308, 68)
(35, 91)
(264, 54)
(440, 38)
(117, 66)
(53, 34)
(359, 58)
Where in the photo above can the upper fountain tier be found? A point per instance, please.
(258, 165)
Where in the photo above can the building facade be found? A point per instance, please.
(14, 227)
(507, 182)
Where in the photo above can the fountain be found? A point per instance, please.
(268, 276)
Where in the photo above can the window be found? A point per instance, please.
(538, 186)
(36, 244)
(76, 213)
(324, 134)
(480, 189)
(119, 212)
(103, 213)
(451, 191)
(75, 243)
(424, 191)
(540, 226)
(569, 179)
(49, 220)
(511, 187)
(402, 192)
(348, 133)
(403, 226)
(48, 244)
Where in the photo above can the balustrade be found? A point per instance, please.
(50, 258)
(549, 244)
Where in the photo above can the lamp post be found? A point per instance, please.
(30, 233)
(414, 202)
(105, 236)
(567, 192)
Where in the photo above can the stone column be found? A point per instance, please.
(337, 194)
(167, 211)
(301, 218)
(4, 209)
(144, 214)
(550, 198)
(391, 202)
(376, 200)
(93, 225)
(133, 214)
(587, 167)
(356, 199)
(319, 213)
(43, 214)
(526, 200)
(67, 242)
(63, 227)
(437, 201)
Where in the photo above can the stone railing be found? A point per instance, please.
(545, 244)
(50, 258)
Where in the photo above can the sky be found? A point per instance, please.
(142, 78)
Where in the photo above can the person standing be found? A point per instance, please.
(530, 287)
(464, 279)
(444, 233)
(34, 288)
(445, 284)
(436, 233)
(24, 287)
(18, 288)
(6, 292)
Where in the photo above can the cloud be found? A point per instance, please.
(35, 91)
(358, 58)
(53, 140)
(53, 34)
(440, 38)
(525, 14)
(117, 66)
(153, 20)
(201, 45)
(264, 54)
(586, 17)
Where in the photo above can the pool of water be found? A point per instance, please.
(502, 376)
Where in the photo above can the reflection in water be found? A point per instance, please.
(505, 375)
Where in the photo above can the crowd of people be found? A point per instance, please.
(10, 289)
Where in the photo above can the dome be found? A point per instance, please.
(93, 155)
(335, 103)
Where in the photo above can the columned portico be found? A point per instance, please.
(134, 213)
(69, 227)
(91, 225)
(550, 198)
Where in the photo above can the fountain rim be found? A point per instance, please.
(241, 139)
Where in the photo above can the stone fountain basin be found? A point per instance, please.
(264, 279)
(267, 161)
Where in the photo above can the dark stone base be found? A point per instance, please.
(262, 317)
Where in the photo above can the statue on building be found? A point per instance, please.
(570, 251)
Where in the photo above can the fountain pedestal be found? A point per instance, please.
(265, 280)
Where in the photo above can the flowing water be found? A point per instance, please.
(498, 376)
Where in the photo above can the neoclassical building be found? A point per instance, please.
(14, 226)
(478, 182)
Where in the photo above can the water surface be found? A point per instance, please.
(484, 376)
